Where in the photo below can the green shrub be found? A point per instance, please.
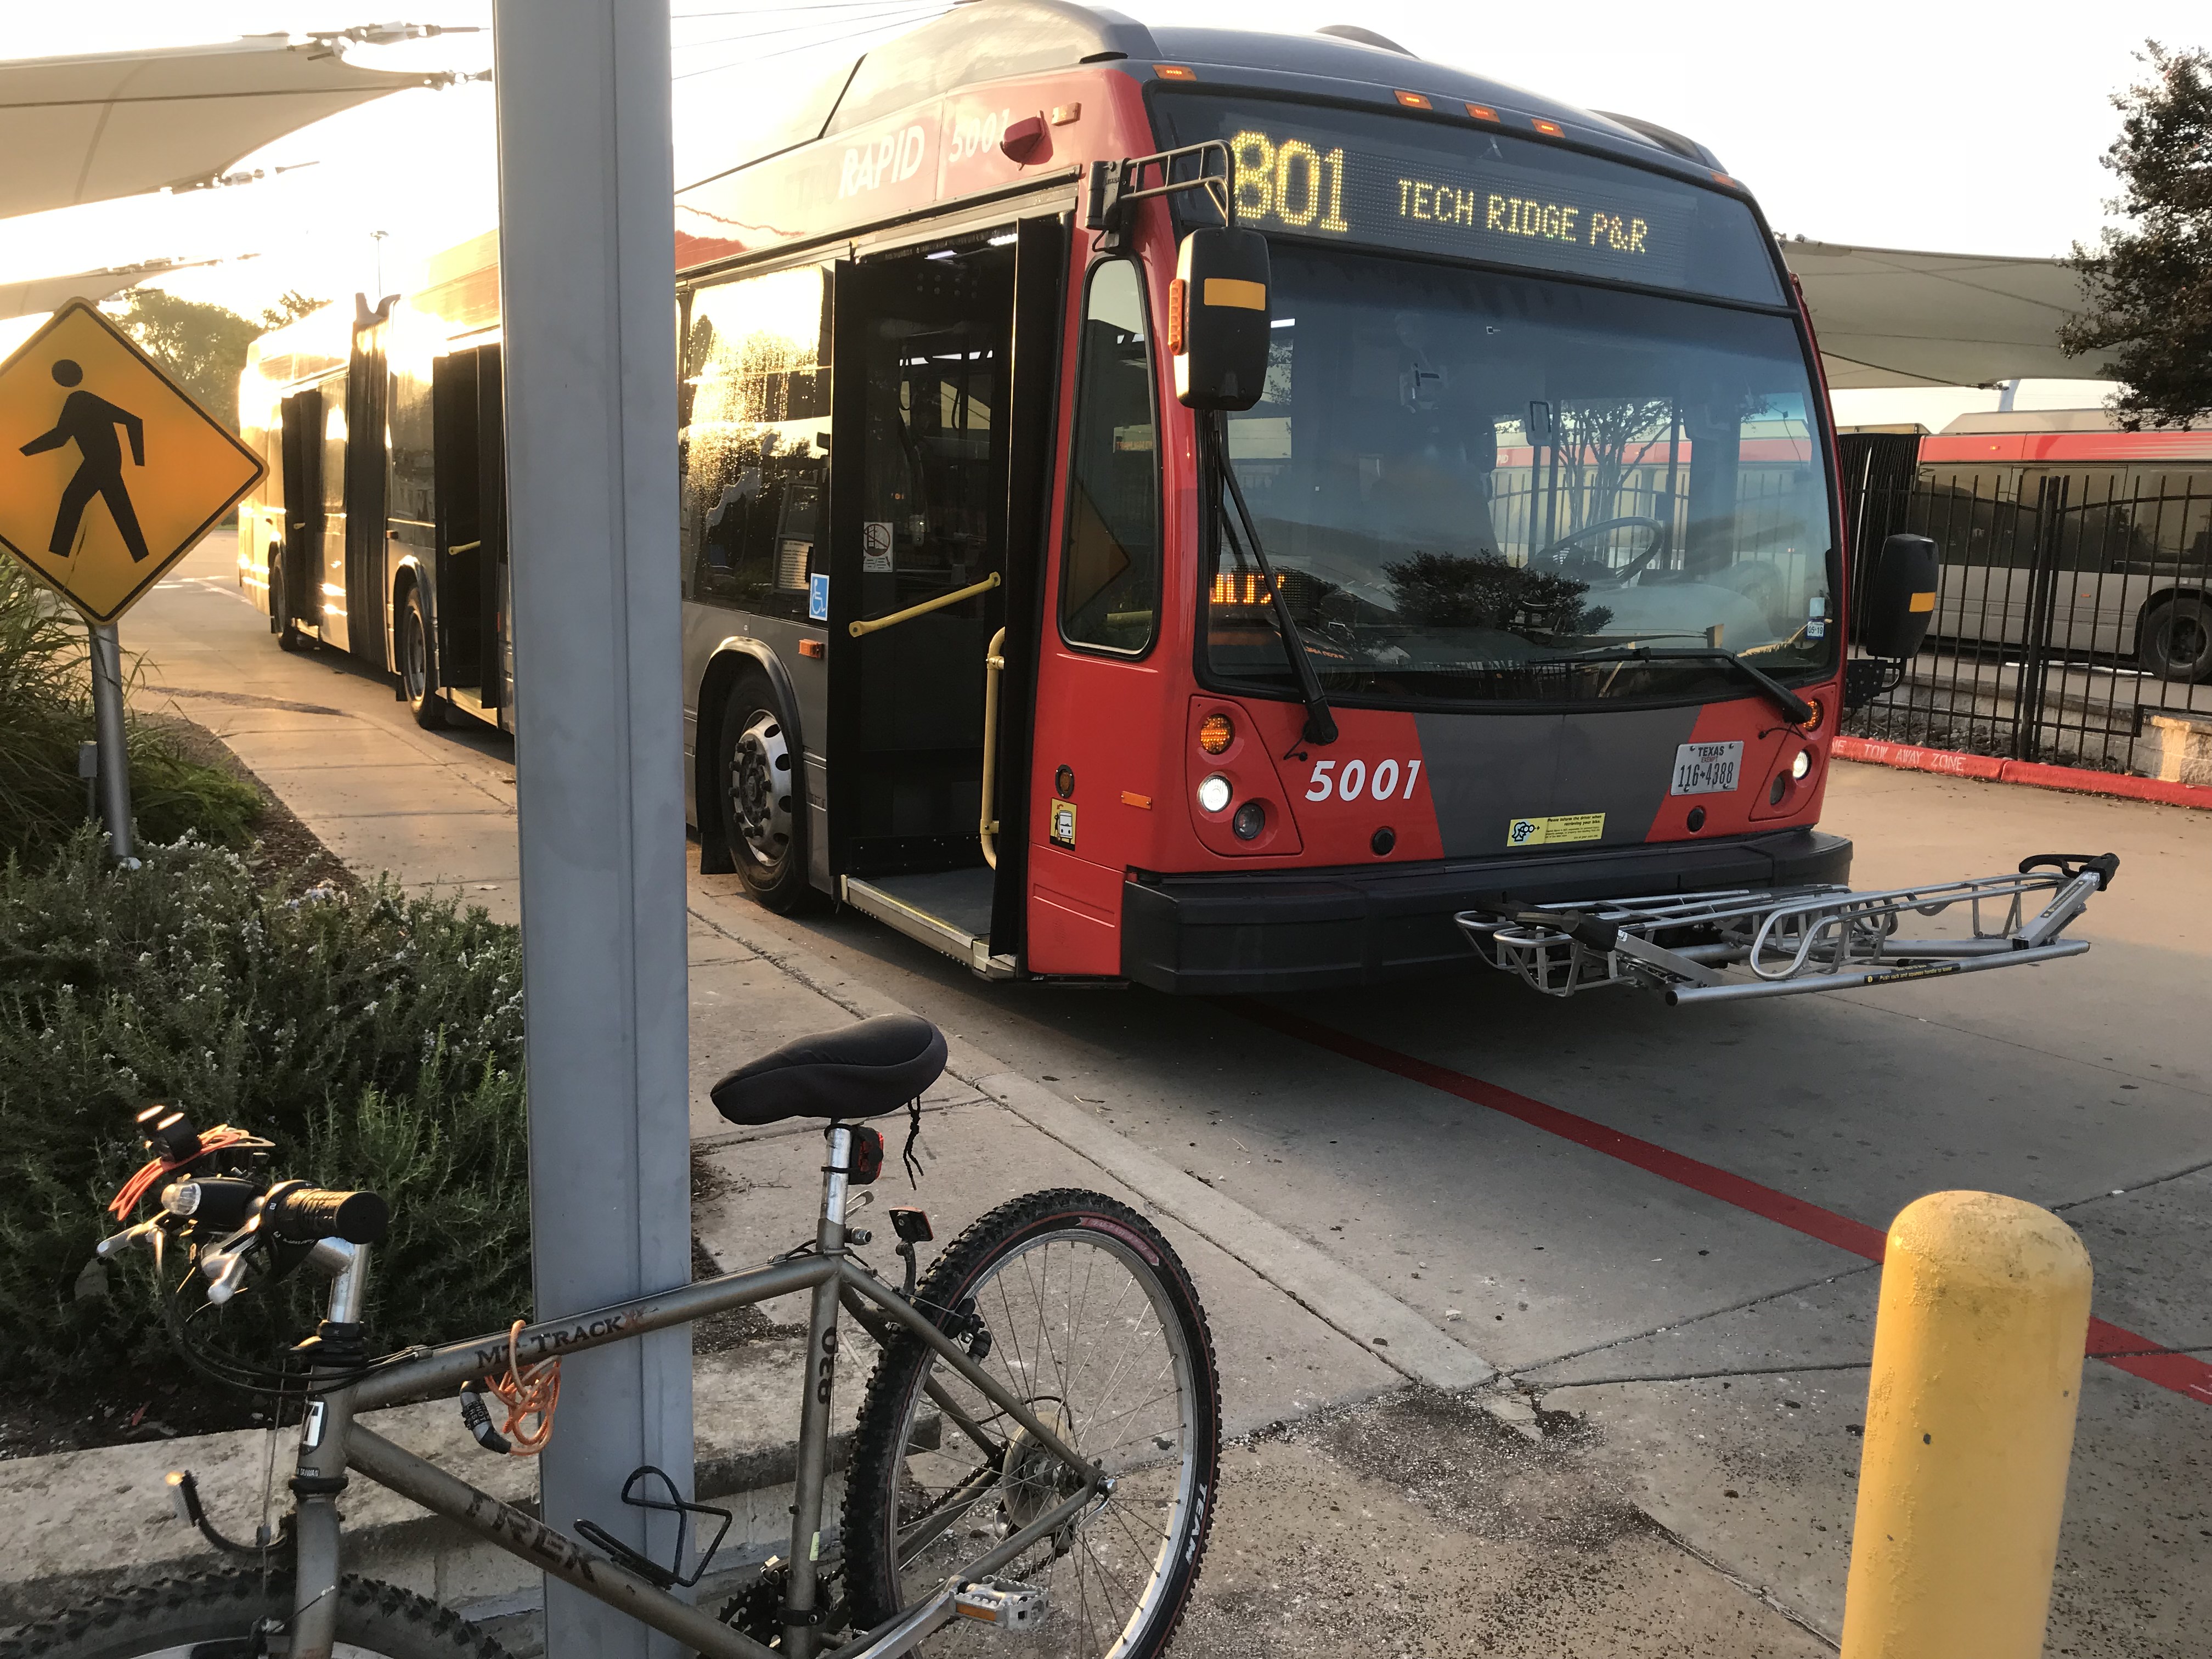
(375, 1037)
(45, 711)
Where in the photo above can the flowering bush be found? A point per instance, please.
(374, 1036)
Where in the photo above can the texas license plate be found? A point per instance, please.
(1706, 768)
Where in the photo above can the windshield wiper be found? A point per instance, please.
(1800, 712)
(1321, 721)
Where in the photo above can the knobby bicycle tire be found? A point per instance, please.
(887, 1447)
(225, 1605)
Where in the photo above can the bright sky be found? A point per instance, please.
(1964, 129)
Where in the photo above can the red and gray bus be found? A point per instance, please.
(1515, 573)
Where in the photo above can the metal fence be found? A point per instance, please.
(2075, 608)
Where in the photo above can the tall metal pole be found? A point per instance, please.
(114, 752)
(587, 294)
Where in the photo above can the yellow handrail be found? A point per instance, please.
(860, 629)
(994, 664)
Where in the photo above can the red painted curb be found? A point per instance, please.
(1952, 763)
(2121, 1349)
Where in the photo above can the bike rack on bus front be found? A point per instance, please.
(1789, 940)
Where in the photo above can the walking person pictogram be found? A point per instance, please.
(90, 422)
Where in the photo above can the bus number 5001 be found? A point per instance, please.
(1354, 782)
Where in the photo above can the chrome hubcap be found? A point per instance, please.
(760, 788)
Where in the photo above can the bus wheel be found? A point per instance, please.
(280, 608)
(763, 796)
(418, 664)
(2175, 642)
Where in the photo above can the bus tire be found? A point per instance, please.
(418, 661)
(288, 637)
(2175, 639)
(760, 792)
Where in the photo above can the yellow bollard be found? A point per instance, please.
(1970, 1425)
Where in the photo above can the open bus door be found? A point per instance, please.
(474, 663)
(929, 399)
(295, 586)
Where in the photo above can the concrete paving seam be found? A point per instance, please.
(1333, 1293)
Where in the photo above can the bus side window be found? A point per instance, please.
(1109, 578)
(754, 440)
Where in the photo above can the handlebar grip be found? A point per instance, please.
(315, 1212)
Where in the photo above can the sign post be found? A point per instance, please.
(587, 288)
(114, 773)
(110, 472)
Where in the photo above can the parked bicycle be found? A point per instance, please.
(1036, 1451)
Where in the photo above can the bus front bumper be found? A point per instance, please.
(1242, 933)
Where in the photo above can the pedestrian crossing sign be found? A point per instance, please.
(110, 472)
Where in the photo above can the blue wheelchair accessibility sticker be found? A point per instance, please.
(818, 599)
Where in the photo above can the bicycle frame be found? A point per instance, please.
(331, 1443)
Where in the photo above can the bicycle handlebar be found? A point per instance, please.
(305, 1214)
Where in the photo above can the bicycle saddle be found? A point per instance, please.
(862, 1070)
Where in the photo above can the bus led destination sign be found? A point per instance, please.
(1522, 216)
(1430, 186)
(1502, 213)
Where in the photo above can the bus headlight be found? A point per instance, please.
(1251, 819)
(1802, 765)
(1213, 795)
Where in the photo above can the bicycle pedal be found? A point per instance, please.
(1003, 1606)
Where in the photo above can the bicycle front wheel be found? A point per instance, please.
(224, 1613)
(1076, 1306)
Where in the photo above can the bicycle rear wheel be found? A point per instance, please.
(1093, 1322)
(218, 1613)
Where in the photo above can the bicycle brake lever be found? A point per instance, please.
(225, 1271)
(108, 1248)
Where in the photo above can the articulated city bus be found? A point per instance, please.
(1512, 573)
(379, 528)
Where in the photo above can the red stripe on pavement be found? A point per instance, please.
(2183, 1374)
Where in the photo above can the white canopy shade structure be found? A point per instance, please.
(1889, 317)
(76, 129)
(41, 293)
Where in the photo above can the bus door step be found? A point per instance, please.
(1786, 941)
(947, 910)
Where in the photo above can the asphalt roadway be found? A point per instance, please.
(1657, 1222)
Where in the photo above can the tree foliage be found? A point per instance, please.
(2149, 285)
(201, 345)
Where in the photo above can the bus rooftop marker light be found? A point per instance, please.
(1551, 128)
(1174, 72)
(1415, 101)
(1482, 111)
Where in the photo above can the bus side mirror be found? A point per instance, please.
(1218, 318)
(1900, 599)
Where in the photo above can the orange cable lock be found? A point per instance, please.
(532, 1391)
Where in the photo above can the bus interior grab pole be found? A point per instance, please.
(588, 297)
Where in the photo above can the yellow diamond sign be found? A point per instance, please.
(109, 471)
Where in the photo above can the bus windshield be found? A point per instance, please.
(1466, 480)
